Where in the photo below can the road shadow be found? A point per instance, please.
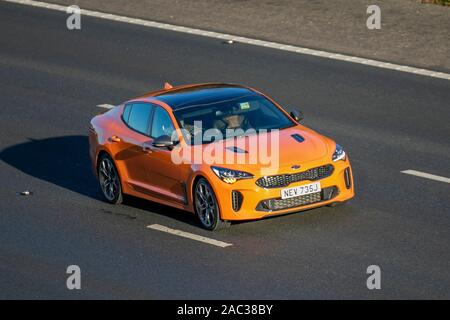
(64, 161)
(162, 210)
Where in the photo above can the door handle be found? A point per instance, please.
(147, 148)
(115, 139)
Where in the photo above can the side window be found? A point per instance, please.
(140, 116)
(162, 124)
(126, 113)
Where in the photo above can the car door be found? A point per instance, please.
(165, 176)
(137, 117)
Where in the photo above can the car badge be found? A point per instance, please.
(295, 167)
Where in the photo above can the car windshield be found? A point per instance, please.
(248, 114)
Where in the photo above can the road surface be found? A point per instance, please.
(52, 79)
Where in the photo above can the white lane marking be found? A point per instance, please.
(256, 42)
(189, 235)
(426, 175)
(105, 106)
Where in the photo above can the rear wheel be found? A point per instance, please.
(109, 180)
(207, 208)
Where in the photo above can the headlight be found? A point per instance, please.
(230, 176)
(339, 153)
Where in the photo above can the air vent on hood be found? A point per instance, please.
(298, 137)
(236, 150)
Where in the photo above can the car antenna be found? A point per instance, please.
(167, 86)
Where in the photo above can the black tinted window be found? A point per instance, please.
(140, 116)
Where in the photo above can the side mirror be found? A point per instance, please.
(163, 142)
(297, 115)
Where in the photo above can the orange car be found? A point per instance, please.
(222, 151)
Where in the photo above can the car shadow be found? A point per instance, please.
(162, 210)
(64, 161)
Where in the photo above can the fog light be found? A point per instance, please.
(236, 200)
(348, 178)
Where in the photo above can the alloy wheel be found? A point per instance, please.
(109, 179)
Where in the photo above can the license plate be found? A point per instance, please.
(300, 190)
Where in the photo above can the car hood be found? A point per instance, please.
(288, 147)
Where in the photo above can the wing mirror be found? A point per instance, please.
(297, 115)
(163, 142)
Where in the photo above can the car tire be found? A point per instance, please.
(207, 208)
(109, 180)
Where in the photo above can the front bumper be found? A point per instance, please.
(245, 200)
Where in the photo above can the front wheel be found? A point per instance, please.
(109, 180)
(207, 208)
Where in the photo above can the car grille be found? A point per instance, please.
(280, 204)
(283, 180)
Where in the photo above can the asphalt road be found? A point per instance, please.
(51, 79)
(409, 28)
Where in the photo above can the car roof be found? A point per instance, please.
(177, 98)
